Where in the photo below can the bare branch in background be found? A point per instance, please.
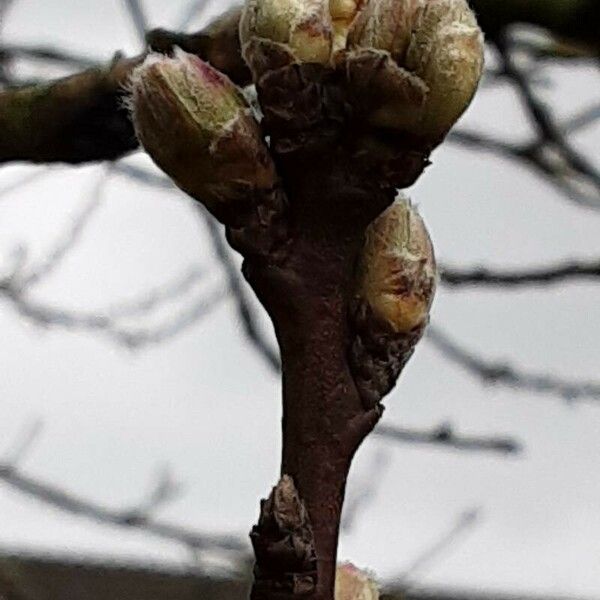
(445, 438)
(138, 18)
(132, 519)
(16, 285)
(67, 242)
(47, 54)
(550, 155)
(24, 181)
(194, 9)
(358, 501)
(480, 276)
(23, 444)
(163, 490)
(501, 373)
(466, 521)
(245, 310)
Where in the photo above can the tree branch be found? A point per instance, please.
(500, 373)
(454, 277)
(83, 118)
(445, 437)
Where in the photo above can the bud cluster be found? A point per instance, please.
(416, 63)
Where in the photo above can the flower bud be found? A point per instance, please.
(275, 33)
(342, 14)
(353, 584)
(397, 271)
(197, 127)
(436, 42)
(447, 53)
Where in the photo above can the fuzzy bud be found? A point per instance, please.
(435, 45)
(197, 127)
(353, 584)
(397, 272)
(275, 33)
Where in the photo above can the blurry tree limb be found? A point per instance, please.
(502, 373)
(480, 276)
(132, 518)
(83, 118)
(576, 20)
(445, 437)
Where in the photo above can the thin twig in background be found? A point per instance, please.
(362, 493)
(132, 518)
(245, 310)
(195, 9)
(445, 438)
(163, 490)
(501, 373)
(48, 54)
(68, 239)
(244, 307)
(540, 115)
(466, 521)
(138, 18)
(480, 276)
(30, 177)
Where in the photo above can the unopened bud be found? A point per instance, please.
(437, 42)
(353, 584)
(197, 127)
(343, 13)
(397, 271)
(447, 53)
(274, 33)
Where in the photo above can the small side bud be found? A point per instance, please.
(397, 271)
(353, 584)
(447, 53)
(433, 47)
(275, 33)
(197, 127)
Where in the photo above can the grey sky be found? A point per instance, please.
(207, 405)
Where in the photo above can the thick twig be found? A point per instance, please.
(83, 117)
(481, 276)
(445, 438)
(500, 373)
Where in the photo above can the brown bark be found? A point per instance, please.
(307, 285)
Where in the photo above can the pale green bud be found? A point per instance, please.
(435, 45)
(397, 270)
(197, 127)
(274, 33)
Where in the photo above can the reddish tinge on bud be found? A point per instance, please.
(397, 270)
(274, 33)
(198, 128)
(353, 584)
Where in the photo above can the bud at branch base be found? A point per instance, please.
(196, 125)
(397, 270)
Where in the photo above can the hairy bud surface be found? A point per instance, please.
(197, 127)
(397, 271)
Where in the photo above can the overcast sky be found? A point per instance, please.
(208, 406)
